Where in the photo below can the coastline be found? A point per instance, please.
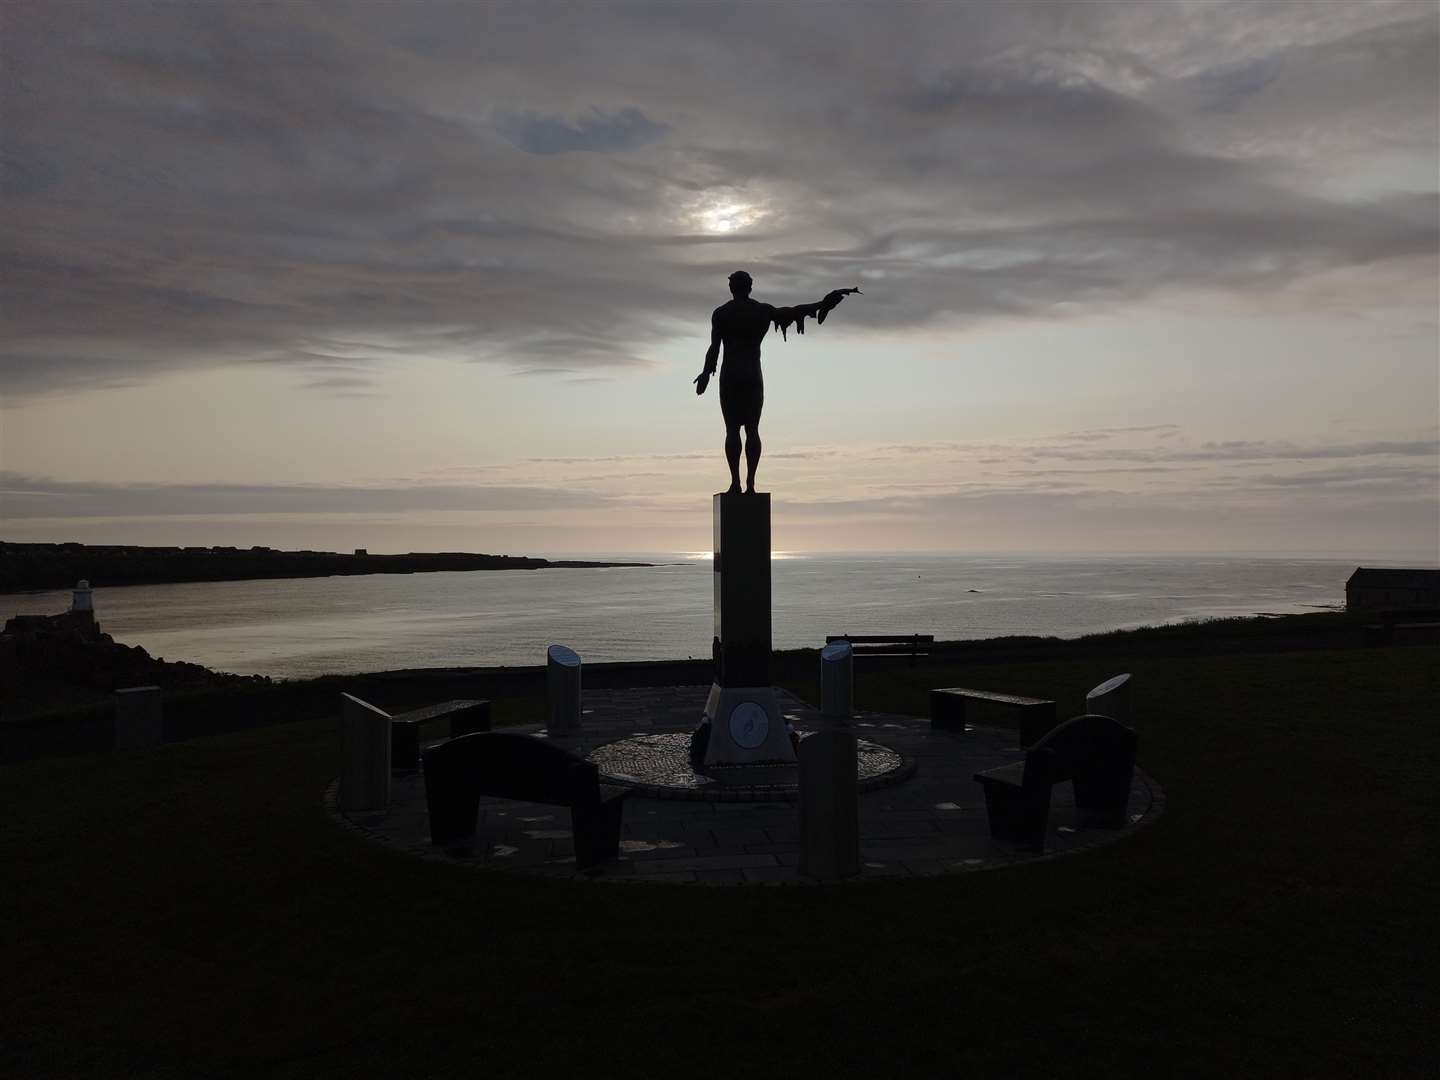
(36, 567)
(55, 716)
(309, 627)
(53, 696)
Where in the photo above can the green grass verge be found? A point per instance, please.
(192, 912)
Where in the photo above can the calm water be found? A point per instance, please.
(312, 626)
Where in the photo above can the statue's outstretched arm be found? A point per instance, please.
(783, 317)
(712, 355)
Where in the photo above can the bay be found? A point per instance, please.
(300, 628)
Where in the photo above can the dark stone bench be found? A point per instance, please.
(1401, 626)
(953, 707)
(1401, 633)
(1096, 752)
(1398, 616)
(911, 645)
(458, 772)
(408, 730)
(1419, 633)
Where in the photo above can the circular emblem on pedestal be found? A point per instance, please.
(749, 724)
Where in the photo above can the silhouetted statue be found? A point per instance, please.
(741, 325)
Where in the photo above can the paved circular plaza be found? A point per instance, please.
(928, 817)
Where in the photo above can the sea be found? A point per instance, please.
(304, 627)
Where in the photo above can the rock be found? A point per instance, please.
(69, 650)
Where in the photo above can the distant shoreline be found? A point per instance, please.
(207, 694)
(36, 567)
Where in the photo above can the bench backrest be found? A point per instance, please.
(521, 767)
(907, 645)
(882, 639)
(1086, 745)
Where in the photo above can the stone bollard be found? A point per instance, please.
(1111, 698)
(829, 805)
(139, 718)
(837, 682)
(562, 677)
(364, 756)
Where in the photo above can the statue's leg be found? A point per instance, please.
(752, 454)
(732, 409)
(753, 407)
(732, 453)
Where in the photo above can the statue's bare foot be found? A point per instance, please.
(733, 489)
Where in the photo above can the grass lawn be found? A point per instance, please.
(193, 912)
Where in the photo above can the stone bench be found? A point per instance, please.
(373, 744)
(1402, 626)
(1097, 753)
(507, 766)
(951, 708)
(1419, 633)
(1398, 616)
(1401, 633)
(408, 730)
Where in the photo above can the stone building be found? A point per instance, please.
(1384, 589)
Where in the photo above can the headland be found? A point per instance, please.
(27, 567)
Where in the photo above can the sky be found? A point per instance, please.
(1136, 278)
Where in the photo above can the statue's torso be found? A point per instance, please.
(742, 325)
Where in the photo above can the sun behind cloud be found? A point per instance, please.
(723, 214)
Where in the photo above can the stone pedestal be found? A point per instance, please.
(562, 681)
(139, 718)
(829, 805)
(364, 756)
(745, 723)
(837, 682)
(746, 727)
(829, 776)
(1111, 698)
(742, 589)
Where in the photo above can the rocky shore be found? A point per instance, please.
(54, 661)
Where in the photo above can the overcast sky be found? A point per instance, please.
(1137, 277)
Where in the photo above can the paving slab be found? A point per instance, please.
(930, 822)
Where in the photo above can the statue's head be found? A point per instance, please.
(740, 283)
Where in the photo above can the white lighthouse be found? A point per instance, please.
(83, 599)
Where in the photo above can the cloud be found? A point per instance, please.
(814, 454)
(1161, 431)
(1242, 451)
(218, 184)
(596, 131)
(23, 497)
(1370, 477)
(1227, 86)
(339, 383)
(1161, 489)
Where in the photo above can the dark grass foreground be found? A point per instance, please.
(193, 912)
